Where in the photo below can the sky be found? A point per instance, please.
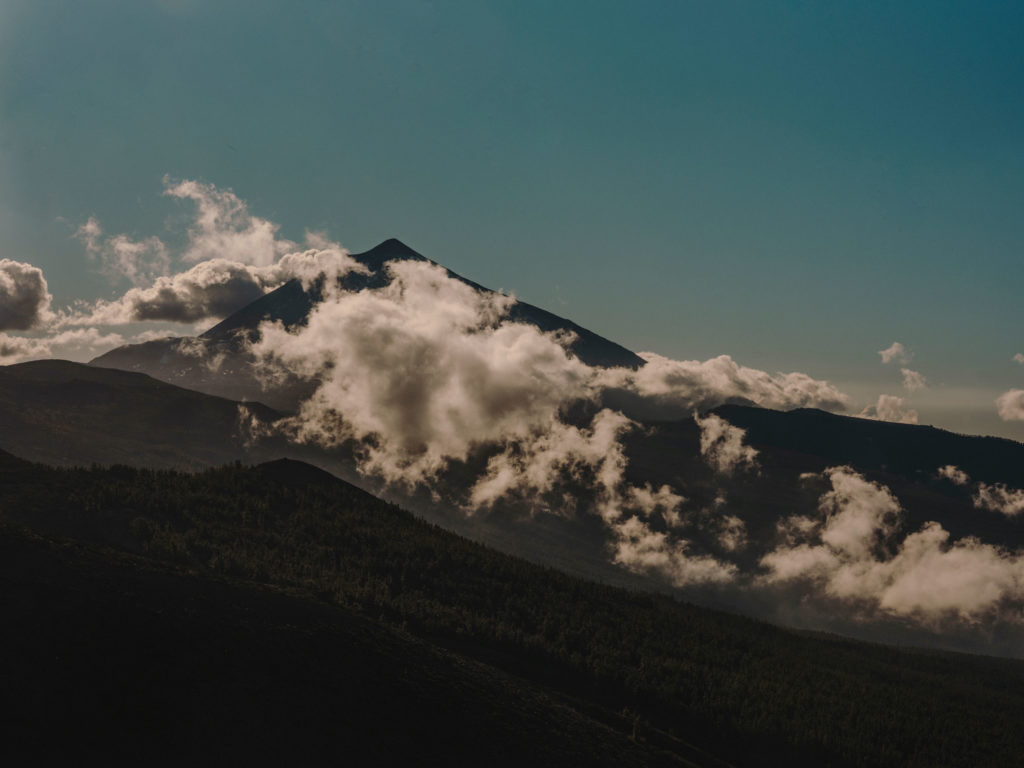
(796, 185)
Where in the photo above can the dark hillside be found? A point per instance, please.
(679, 678)
(119, 660)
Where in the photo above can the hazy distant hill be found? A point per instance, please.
(68, 413)
(375, 637)
(232, 377)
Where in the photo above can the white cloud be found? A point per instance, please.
(721, 444)
(1010, 405)
(852, 553)
(912, 380)
(688, 385)
(422, 371)
(890, 408)
(24, 296)
(224, 228)
(999, 498)
(955, 475)
(895, 353)
(1019, 357)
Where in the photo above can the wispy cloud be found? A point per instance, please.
(912, 380)
(895, 353)
(721, 444)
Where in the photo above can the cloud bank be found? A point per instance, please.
(852, 553)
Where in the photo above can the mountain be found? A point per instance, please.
(216, 362)
(67, 413)
(277, 614)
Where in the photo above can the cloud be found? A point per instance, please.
(75, 344)
(955, 475)
(896, 353)
(890, 408)
(851, 553)
(640, 549)
(140, 261)
(721, 444)
(912, 380)
(24, 296)
(999, 498)
(1019, 357)
(224, 228)
(212, 289)
(687, 385)
(732, 534)
(1010, 405)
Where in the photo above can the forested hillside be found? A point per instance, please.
(701, 685)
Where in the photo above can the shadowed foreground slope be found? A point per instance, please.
(678, 679)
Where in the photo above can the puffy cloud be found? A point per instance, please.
(24, 296)
(140, 261)
(1019, 357)
(422, 371)
(688, 385)
(912, 380)
(224, 228)
(852, 554)
(1010, 405)
(890, 408)
(895, 353)
(999, 498)
(212, 289)
(721, 444)
(954, 474)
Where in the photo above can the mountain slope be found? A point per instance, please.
(68, 413)
(700, 685)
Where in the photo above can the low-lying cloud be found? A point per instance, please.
(852, 552)
(721, 444)
(687, 385)
(890, 408)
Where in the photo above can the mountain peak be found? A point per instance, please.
(390, 250)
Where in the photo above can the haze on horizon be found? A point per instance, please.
(830, 191)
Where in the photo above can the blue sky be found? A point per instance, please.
(794, 184)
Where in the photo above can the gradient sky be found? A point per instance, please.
(794, 184)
